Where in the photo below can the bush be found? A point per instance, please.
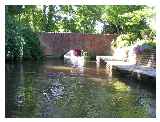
(151, 43)
(145, 46)
(21, 42)
(124, 40)
(32, 49)
(13, 39)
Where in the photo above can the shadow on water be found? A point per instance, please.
(55, 89)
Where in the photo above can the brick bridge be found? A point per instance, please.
(57, 44)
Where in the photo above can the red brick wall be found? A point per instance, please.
(56, 44)
(147, 58)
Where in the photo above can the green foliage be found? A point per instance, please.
(21, 42)
(79, 18)
(143, 47)
(130, 22)
(124, 40)
(13, 38)
(31, 49)
(62, 18)
(148, 44)
(124, 18)
(151, 43)
(15, 10)
(86, 18)
(32, 16)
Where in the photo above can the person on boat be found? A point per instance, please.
(77, 52)
(75, 57)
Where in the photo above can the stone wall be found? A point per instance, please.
(57, 44)
(147, 58)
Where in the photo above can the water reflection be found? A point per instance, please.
(54, 89)
(20, 95)
(75, 61)
(109, 70)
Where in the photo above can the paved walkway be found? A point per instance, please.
(131, 67)
(149, 71)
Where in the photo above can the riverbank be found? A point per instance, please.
(140, 73)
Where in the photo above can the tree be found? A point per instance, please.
(130, 22)
(23, 22)
(113, 16)
(21, 42)
(86, 18)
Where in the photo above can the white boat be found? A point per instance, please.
(74, 60)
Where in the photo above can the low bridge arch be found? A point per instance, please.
(57, 44)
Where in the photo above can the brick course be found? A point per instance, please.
(57, 44)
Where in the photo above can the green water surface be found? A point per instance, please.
(54, 89)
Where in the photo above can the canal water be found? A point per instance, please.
(55, 89)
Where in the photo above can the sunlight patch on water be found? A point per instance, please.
(120, 86)
(59, 67)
